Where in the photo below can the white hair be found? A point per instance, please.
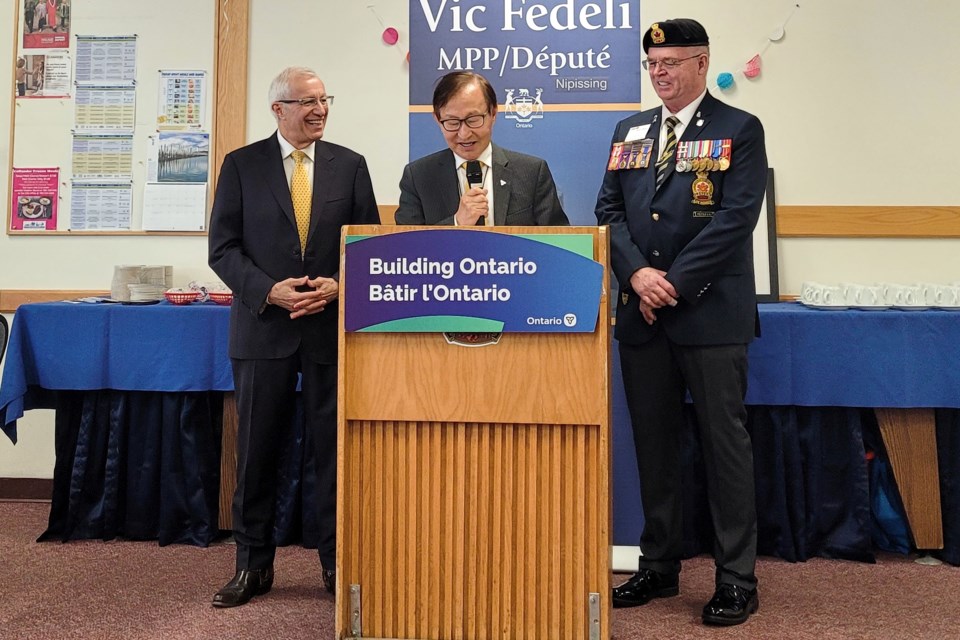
(280, 87)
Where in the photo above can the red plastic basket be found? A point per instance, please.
(181, 297)
(221, 297)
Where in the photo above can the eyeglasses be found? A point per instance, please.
(454, 124)
(666, 63)
(310, 103)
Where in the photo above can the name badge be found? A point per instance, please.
(637, 133)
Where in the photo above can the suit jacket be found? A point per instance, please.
(254, 243)
(706, 250)
(524, 193)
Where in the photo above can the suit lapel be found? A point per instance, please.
(652, 174)
(504, 185)
(700, 121)
(448, 182)
(324, 175)
(277, 179)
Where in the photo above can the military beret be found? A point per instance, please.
(679, 32)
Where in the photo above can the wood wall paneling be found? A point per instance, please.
(795, 221)
(230, 60)
(10, 299)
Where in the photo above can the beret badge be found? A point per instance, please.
(656, 34)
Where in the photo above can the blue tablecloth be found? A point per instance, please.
(853, 358)
(813, 497)
(76, 346)
(805, 357)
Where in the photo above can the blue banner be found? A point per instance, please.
(565, 72)
(452, 280)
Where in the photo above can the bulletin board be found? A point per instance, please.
(111, 118)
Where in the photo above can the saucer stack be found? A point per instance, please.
(123, 276)
(140, 283)
(145, 292)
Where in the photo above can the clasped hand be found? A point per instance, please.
(655, 291)
(303, 303)
(473, 204)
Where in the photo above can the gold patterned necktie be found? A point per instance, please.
(668, 148)
(300, 193)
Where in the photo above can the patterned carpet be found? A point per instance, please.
(139, 591)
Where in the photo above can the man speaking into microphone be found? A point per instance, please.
(475, 182)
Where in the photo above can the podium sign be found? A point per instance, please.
(459, 280)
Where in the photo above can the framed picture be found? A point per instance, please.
(765, 248)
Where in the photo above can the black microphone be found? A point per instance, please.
(475, 179)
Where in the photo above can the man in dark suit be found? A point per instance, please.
(435, 190)
(681, 223)
(275, 241)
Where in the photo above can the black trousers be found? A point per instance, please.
(656, 376)
(266, 396)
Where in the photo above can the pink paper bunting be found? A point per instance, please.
(390, 36)
(752, 70)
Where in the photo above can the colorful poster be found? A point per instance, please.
(176, 156)
(182, 97)
(46, 24)
(565, 72)
(36, 192)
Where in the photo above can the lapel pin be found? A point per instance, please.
(503, 182)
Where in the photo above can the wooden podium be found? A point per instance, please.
(473, 489)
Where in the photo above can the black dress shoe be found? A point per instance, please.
(644, 586)
(329, 579)
(731, 604)
(246, 584)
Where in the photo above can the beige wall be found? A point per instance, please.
(858, 101)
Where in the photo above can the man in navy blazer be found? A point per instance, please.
(283, 320)
(682, 194)
(435, 190)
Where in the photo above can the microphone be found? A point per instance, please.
(475, 179)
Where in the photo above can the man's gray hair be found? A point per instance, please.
(280, 87)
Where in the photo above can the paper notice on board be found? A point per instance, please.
(100, 206)
(174, 207)
(102, 156)
(43, 75)
(106, 60)
(105, 108)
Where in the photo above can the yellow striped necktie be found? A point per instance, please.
(668, 148)
(301, 195)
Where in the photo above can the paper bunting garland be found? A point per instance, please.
(390, 35)
(751, 69)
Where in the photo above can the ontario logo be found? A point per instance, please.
(523, 108)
